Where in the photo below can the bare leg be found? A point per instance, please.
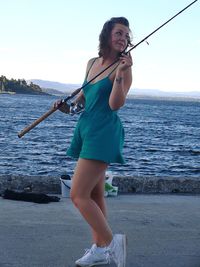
(88, 177)
(98, 196)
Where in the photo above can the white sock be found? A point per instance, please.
(101, 249)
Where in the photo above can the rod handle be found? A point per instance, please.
(36, 122)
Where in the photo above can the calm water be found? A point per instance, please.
(162, 138)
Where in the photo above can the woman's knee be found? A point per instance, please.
(77, 198)
(74, 197)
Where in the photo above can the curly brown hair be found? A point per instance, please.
(104, 36)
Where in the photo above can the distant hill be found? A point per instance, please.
(159, 93)
(53, 92)
(59, 87)
(63, 88)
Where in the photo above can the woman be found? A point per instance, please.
(98, 139)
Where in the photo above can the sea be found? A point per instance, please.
(162, 138)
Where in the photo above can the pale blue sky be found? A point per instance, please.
(53, 40)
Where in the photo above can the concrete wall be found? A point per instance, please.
(51, 185)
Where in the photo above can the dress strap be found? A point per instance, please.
(113, 70)
(90, 68)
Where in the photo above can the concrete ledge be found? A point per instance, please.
(147, 185)
(36, 184)
(164, 185)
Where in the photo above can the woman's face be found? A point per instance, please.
(119, 38)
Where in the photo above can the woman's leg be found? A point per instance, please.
(97, 195)
(87, 176)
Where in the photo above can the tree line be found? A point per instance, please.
(19, 86)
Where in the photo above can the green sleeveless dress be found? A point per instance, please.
(99, 134)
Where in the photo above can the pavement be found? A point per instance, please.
(162, 231)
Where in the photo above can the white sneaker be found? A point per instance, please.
(117, 250)
(94, 256)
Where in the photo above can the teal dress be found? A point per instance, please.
(99, 134)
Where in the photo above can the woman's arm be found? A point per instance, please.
(122, 83)
(80, 99)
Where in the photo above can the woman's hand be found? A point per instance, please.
(125, 62)
(57, 103)
(62, 106)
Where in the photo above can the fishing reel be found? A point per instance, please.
(76, 108)
(73, 108)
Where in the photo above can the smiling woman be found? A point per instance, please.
(98, 138)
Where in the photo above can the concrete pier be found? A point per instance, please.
(162, 230)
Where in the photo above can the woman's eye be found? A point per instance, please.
(118, 34)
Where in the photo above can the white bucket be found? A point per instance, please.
(65, 187)
(109, 177)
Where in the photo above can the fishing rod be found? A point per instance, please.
(77, 91)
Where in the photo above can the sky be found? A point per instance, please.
(53, 40)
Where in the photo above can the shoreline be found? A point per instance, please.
(126, 184)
